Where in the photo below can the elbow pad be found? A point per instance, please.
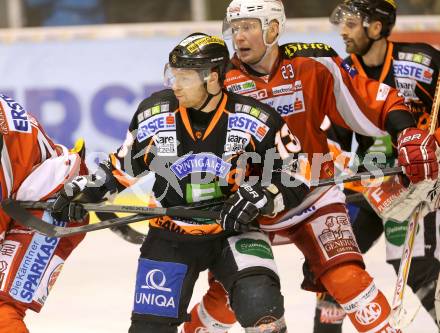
(397, 121)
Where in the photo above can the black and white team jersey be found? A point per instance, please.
(198, 156)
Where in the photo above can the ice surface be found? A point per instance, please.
(95, 289)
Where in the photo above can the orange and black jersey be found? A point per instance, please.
(412, 68)
(309, 82)
(197, 159)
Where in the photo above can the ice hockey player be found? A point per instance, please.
(196, 137)
(29, 262)
(306, 82)
(413, 68)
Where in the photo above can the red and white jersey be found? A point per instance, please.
(309, 82)
(24, 145)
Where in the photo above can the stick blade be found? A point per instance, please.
(25, 218)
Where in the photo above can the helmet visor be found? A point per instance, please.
(226, 29)
(184, 77)
(346, 14)
(246, 25)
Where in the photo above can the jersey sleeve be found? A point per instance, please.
(135, 158)
(361, 104)
(23, 145)
(128, 162)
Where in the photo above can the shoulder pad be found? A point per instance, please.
(422, 53)
(317, 49)
(163, 101)
(246, 104)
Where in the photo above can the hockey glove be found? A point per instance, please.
(64, 208)
(244, 206)
(68, 204)
(416, 154)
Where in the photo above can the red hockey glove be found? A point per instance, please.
(416, 153)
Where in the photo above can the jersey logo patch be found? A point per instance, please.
(158, 288)
(407, 87)
(281, 90)
(49, 279)
(259, 94)
(413, 70)
(202, 162)
(34, 264)
(155, 124)
(236, 141)
(257, 113)
(248, 124)
(13, 117)
(351, 70)
(166, 143)
(160, 108)
(8, 250)
(419, 58)
(382, 92)
(308, 49)
(242, 87)
(335, 235)
(289, 103)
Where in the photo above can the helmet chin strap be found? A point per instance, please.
(370, 41)
(208, 99)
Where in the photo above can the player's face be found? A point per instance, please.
(247, 37)
(353, 34)
(188, 87)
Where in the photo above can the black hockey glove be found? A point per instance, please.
(82, 189)
(64, 208)
(240, 211)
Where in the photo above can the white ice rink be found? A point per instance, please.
(94, 291)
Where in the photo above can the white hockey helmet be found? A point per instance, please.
(263, 10)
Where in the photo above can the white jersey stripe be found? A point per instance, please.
(7, 170)
(45, 146)
(346, 105)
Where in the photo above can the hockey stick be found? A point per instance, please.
(361, 176)
(126, 232)
(172, 211)
(133, 236)
(20, 214)
(437, 300)
(16, 210)
(398, 312)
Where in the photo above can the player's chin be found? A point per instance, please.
(350, 48)
(182, 100)
(245, 55)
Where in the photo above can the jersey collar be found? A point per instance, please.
(212, 123)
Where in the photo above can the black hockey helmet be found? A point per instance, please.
(370, 11)
(201, 51)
